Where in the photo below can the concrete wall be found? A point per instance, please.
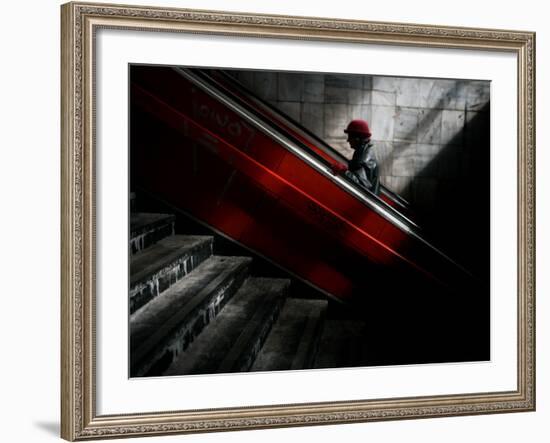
(424, 130)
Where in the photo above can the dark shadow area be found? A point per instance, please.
(457, 217)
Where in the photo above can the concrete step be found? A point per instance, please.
(147, 229)
(166, 326)
(232, 341)
(156, 268)
(294, 340)
(342, 344)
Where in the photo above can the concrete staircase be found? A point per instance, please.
(193, 312)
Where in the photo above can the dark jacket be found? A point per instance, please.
(363, 169)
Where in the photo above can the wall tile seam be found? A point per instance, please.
(417, 108)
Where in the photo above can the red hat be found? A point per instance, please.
(358, 126)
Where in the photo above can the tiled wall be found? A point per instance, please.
(426, 132)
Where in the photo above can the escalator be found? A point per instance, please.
(205, 145)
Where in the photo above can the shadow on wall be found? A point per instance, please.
(422, 138)
(455, 211)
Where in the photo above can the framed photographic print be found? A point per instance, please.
(283, 221)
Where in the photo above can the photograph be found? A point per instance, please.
(286, 220)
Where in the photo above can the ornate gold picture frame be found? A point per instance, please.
(79, 389)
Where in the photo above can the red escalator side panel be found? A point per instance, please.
(202, 157)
